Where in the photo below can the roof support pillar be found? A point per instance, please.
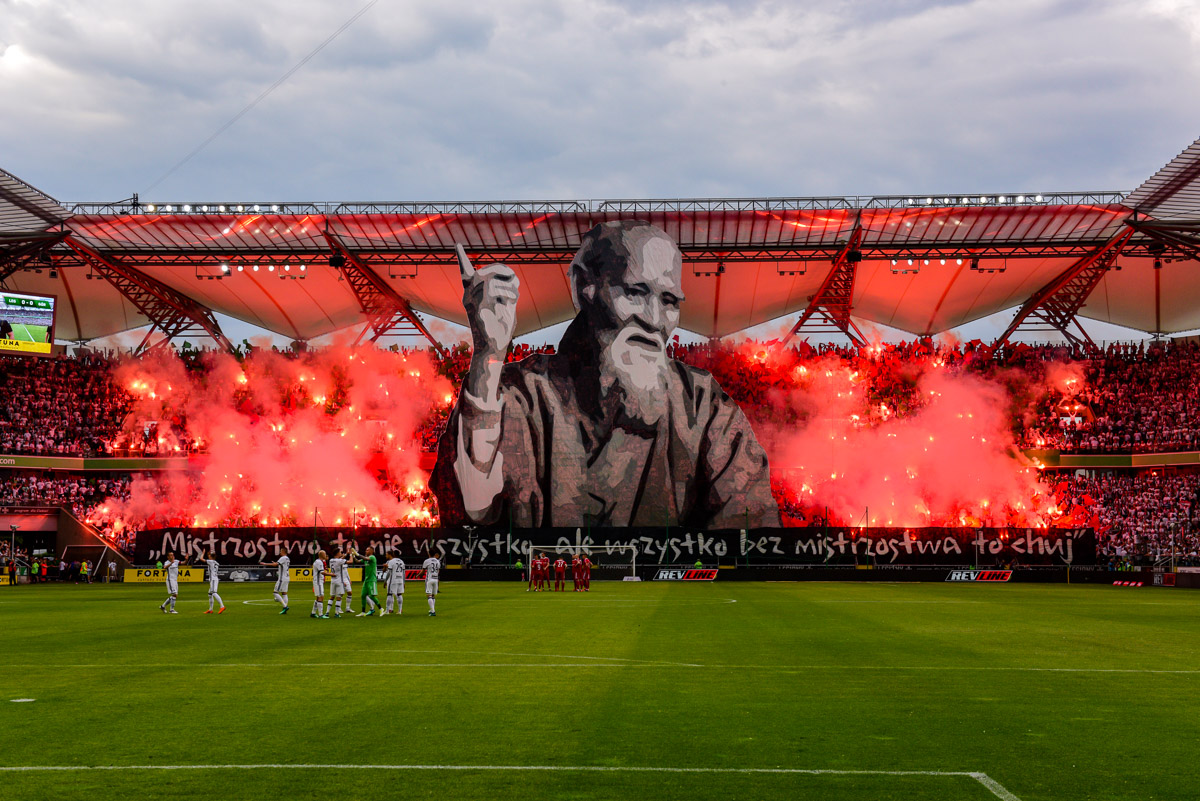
(386, 310)
(169, 310)
(1054, 307)
(829, 309)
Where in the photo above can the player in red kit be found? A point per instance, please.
(543, 572)
(560, 575)
(576, 576)
(585, 571)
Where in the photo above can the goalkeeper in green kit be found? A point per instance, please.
(370, 577)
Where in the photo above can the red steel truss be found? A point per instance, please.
(387, 312)
(169, 311)
(829, 309)
(1056, 305)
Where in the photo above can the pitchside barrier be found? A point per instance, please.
(148, 575)
(652, 547)
(726, 573)
(661, 554)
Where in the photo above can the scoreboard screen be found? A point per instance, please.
(26, 323)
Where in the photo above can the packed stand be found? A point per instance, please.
(1141, 517)
(1134, 399)
(59, 407)
(1130, 398)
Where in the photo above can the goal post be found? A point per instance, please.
(612, 561)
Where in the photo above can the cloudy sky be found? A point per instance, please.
(525, 99)
(628, 98)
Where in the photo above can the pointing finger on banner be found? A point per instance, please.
(465, 270)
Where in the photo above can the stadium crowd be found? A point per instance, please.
(1141, 517)
(77, 493)
(59, 407)
(1128, 398)
(1132, 400)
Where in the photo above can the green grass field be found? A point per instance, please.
(29, 333)
(1053, 692)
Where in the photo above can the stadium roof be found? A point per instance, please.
(24, 209)
(923, 264)
(1173, 192)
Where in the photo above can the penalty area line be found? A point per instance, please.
(993, 786)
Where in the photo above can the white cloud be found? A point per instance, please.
(534, 98)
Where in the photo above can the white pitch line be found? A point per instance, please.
(991, 784)
(996, 787)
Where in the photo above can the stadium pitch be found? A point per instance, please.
(29, 333)
(665, 691)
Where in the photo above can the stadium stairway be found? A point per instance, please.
(83, 541)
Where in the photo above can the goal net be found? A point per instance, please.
(612, 562)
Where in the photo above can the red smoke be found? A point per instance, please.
(288, 440)
(947, 460)
(904, 435)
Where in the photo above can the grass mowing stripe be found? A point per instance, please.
(885, 686)
(991, 784)
(637, 664)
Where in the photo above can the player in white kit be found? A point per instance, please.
(337, 586)
(211, 566)
(281, 584)
(393, 577)
(351, 556)
(171, 571)
(318, 577)
(432, 566)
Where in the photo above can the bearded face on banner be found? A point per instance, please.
(628, 289)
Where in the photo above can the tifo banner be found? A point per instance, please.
(155, 576)
(984, 547)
